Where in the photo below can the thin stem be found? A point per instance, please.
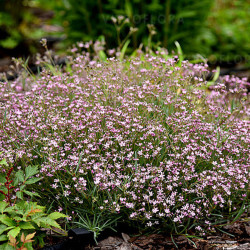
(167, 22)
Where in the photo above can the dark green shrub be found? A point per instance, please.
(174, 20)
(18, 25)
(228, 27)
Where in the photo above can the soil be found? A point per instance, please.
(233, 236)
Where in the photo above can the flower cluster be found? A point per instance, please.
(144, 137)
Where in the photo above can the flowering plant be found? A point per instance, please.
(145, 138)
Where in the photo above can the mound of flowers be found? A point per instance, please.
(144, 140)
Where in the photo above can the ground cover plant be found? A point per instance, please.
(146, 141)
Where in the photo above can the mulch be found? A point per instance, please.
(236, 236)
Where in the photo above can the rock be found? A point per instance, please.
(110, 243)
(125, 246)
(247, 228)
(125, 237)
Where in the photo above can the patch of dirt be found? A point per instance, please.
(236, 236)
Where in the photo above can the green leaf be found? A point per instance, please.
(21, 205)
(215, 77)
(129, 9)
(185, 14)
(20, 175)
(3, 205)
(47, 222)
(37, 221)
(26, 225)
(9, 209)
(31, 194)
(19, 195)
(29, 246)
(2, 228)
(56, 215)
(102, 56)
(7, 221)
(2, 178)
(33, 205)
(3, 238)
(3, 162)
(123, 50)
(6, 246)
(14, 232)
(240, 211)
(52, 223)
(18, 218)
(9, 43)
(16, 181)
(217, 74)
(2, 197)
(180, 52)
(33, 180)
(30, 171)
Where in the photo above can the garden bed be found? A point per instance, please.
(238, 239)
(139, 141)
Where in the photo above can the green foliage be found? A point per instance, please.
(25, 218)
(97, 224)
(18, 25)
(20, 219)
(167, 80)
(228, 28)
(214, 29)
(24, 240)
(19, 182)
(87, 20)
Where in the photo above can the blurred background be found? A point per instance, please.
(214, 29)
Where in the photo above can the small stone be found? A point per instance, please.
(125, 246)
(125, 237)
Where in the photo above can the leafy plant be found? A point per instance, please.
(24, 240)
(16, 185)
(84, 20)
(20, 219)
(97, 224)
(139, 138)
(19, 27)
(25, 218)
(226, 37)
